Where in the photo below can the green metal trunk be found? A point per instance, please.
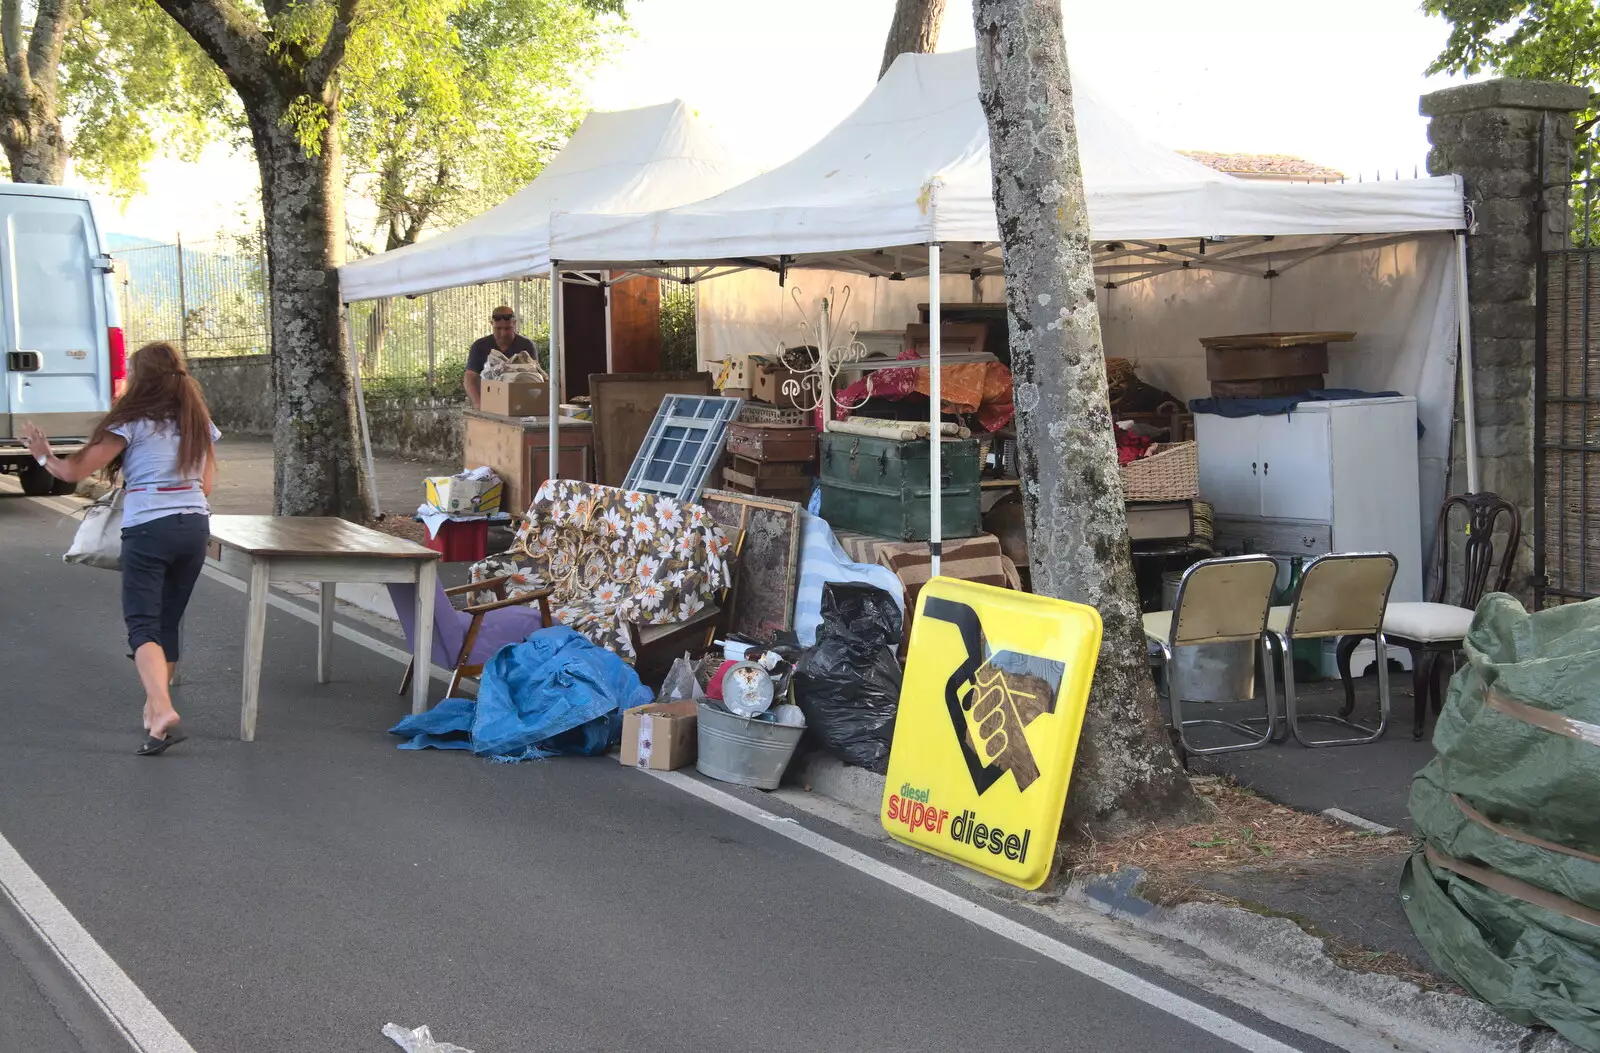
(880, 486)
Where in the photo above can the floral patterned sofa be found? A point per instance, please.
(625, 569)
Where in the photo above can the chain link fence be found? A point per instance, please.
(210, 298)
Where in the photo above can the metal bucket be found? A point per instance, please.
(746, 752)
(1212, 672)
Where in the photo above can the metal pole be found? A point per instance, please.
(432, 353)
(183, 303)
(361, 412)
(1469, 402)
(266, 290)
(824, 372)
(935, 429)
(516, 299)
(555, 371)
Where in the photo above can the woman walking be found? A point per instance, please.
(160, 439)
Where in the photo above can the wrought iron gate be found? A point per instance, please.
(1566, 528)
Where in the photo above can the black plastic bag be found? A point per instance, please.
(848, 685)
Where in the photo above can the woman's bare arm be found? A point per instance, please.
(208, 478)
(80, 465)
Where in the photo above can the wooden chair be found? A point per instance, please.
(1434, 630)
(458, 632)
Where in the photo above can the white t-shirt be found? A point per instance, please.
(150, 471)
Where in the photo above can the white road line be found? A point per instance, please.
(1339, 815)
(139, 1021)
(1207, 1020)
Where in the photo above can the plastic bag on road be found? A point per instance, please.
(848, 685)
(420, 1041)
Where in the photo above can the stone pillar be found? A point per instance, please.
(1511, 142)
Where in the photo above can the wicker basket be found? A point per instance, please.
(1170, 474)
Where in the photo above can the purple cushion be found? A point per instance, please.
(505, 626)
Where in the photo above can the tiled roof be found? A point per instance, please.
(1263, 164)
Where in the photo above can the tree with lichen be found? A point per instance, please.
(1072, 493)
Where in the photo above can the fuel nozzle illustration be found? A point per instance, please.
(992, 697)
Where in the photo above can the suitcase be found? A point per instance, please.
(880, 486)
(769, 442)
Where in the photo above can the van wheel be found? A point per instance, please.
(62, 488)
(36, 480)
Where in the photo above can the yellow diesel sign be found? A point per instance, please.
(995, 688)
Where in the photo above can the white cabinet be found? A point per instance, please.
(1329, 477)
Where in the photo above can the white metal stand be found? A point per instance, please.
(935, 433)
(555, 371)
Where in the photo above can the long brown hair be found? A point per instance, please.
(161, 389)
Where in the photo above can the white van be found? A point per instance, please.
(61, 344)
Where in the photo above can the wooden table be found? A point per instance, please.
(266, 549)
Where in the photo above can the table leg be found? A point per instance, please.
(255, 636)
(326, 606)
(422, 643)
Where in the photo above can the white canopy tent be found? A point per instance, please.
(902, 187)
(618, 161)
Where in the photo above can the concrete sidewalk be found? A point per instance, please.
(245, 478)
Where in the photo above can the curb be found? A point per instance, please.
(1275, 951)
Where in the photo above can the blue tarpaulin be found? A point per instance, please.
(555, 693)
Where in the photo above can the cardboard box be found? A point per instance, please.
(766, 384)
(733, 373)
(460, 496)
(516, 398)
(661, 736)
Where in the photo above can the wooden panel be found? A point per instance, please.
(769, 564)
(346, 569)
(583, 327)
(1281, 537)
(624, 405)
(311, 536)
(635, 326)
(1329, 336)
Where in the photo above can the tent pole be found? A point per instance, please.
(1469, 406)
(361, 412)
(555, 372)
(935, 435)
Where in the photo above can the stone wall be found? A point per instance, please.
(239, 391)
(1508, 140)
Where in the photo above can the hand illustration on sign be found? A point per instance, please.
(992, 699)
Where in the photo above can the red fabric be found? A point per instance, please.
(714, 689)
(1131, 447)
(983, 389)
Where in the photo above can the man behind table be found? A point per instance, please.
(504, 339)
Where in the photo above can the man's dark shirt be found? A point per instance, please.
(478, 355)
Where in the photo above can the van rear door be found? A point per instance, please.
(57, 360)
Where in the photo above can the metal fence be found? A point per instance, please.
(1566, 529)
(210, 298)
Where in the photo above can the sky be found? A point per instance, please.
(1334, 83)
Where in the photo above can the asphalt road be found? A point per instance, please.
(300, 891)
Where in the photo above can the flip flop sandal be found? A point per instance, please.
(154, 747)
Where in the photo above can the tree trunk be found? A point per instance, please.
(30, 122)
(1072, 494)
(915, 29)
(35, 148)
(318, 463)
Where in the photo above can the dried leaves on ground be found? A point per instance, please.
(1246, 829)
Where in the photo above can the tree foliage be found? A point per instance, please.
(448, 116)
(1555, 40)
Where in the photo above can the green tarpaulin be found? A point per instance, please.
(1505, 894)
